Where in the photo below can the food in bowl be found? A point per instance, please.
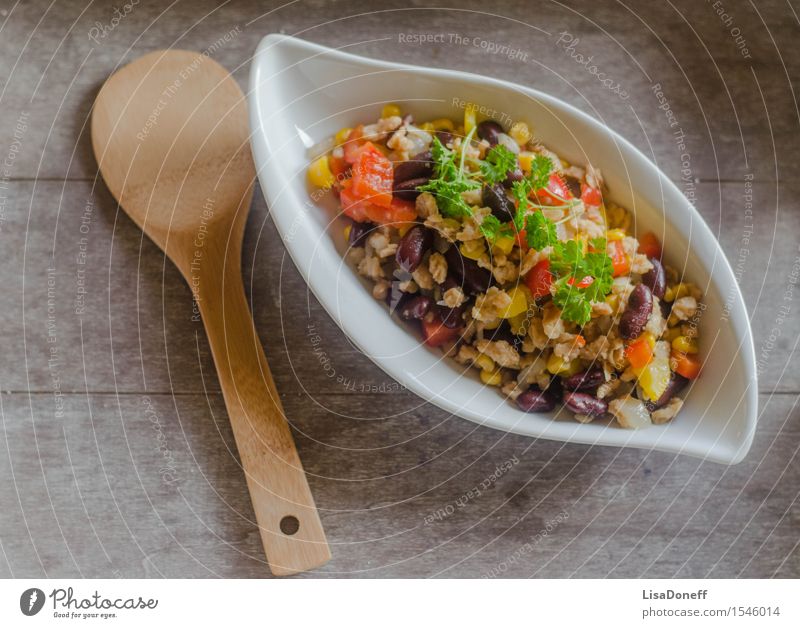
(516, 263)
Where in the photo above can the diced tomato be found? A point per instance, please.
(583, 283)
(580, 341)
(373, 176)
(685, 364)
(639, 353)
(619, 260)
(649, 245)
(591, 196)
(353, 206)
(556, 192)
(539, 279)
(362, 210)
(353, 144)
(435, 332)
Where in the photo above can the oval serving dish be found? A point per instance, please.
(301, 93)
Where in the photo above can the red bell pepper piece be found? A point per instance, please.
(539, 279)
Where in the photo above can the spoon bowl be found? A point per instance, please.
(170, 135)
(302, 93)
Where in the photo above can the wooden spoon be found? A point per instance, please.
(170, 134)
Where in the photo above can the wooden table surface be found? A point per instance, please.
(117, 457)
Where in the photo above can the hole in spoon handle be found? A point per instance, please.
(290, 525)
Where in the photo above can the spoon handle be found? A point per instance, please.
(287, 517)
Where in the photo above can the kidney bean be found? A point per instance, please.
(676, 384)
(634, 318)
(412, 247)
(420, 165)
(574, 186)
(495, 198)
(452, 317)
(474, 278)
(407, 190)
(514, 175)
(583, 403)
(536, 400)
(656, 278)
(585, 380)
(503, 332)
(489, 130)
(359, 232)
(445, 137)
(414, 307)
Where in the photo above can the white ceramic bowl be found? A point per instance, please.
(301, 93)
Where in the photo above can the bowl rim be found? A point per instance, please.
(721, 271)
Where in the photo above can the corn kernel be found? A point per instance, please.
(473, 249)
(485, 362)
(684, 344)
(518, 305)
(520, 133)
(427, 126)
(613, 301)
(673, 320)
(403, 227)
(347, 231)
(470, 112)
(676, 292)
(342, 135)
(390, 110)
(615, 234)
(319, 173)
(491, 378)
(504, 244)
(557, 366)
(443, 124)
(650, 338)
(672, 333)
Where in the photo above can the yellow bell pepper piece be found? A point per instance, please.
(474, 249)
(319, 173)
(518, 305)
(654, 378)
(518, 323)
(504, 244)
(470, 117)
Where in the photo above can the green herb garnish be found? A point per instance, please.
(570, 266)
(448, 182)
(498, 163)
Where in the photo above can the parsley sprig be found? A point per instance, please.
(498, 163)
(570, 265)
(449, 181)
